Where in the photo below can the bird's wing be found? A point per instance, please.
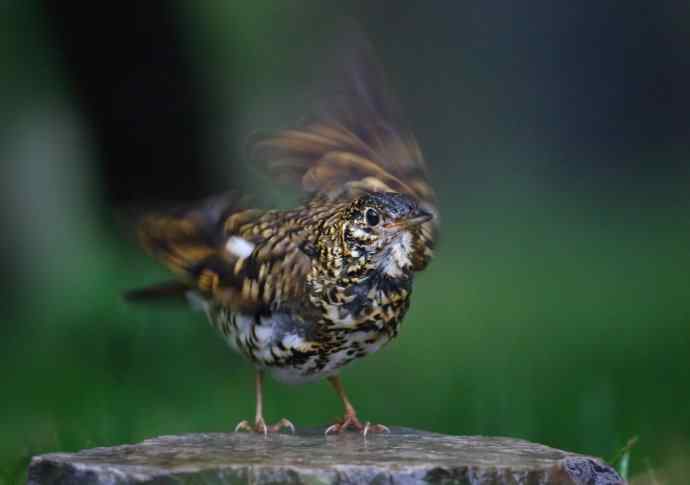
(356, 137)
(356, 142)
(238, 257)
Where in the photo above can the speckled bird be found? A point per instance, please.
(301, 293)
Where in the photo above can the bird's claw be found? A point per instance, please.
(351, 421)
(374, 428)
(246, 426)
(283, 423)
(261, 427)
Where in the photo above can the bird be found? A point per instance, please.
(303, 292)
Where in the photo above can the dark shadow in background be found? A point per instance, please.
(136, 87)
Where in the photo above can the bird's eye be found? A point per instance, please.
(372, 217)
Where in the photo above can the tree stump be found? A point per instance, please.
(404, 456)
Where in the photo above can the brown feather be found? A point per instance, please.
(355, 141)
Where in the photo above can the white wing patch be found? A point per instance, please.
(239, 247)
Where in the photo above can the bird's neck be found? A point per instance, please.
(394, 261)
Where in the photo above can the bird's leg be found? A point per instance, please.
(350, 418)
(259, 423)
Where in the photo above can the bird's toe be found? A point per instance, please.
(374, 428)
(283, 424)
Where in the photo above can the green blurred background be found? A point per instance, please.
(557, 309)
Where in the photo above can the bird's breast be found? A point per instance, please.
(376, 303)
(296, 346)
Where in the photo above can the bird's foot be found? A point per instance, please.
(351, 421)
(260, 426)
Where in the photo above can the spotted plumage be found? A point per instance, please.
(303, 292)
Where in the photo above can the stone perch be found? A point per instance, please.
(405, 456)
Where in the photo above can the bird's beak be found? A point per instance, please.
(419, 216)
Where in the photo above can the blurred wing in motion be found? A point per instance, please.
(355, 142)
(356, 138)
(238, 257)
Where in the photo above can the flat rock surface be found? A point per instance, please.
(403, 456)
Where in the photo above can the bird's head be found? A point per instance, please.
(378, 229)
